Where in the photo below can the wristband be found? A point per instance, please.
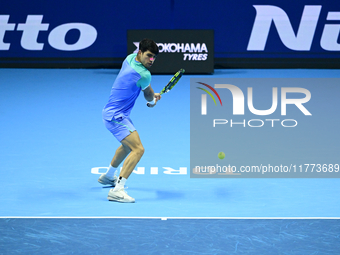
(153, 101)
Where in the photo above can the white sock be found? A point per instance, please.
(120, 183)
(111, 172)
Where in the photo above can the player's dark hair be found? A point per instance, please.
(148, 44)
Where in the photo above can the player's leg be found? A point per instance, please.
(120, 128)
(110, 178)
(120, 155)
(134, 143)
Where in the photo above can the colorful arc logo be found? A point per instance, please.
(209, 93)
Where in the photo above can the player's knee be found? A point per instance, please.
(140, 151)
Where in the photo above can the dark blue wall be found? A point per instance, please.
(232, 22)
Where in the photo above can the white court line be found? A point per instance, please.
(175, 218)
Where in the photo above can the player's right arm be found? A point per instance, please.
(150, 95)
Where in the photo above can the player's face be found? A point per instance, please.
(146, 58)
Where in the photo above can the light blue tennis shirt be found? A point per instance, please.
(132, 78)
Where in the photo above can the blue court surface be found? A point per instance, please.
(53, 146)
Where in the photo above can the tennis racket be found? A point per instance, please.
(171, 83)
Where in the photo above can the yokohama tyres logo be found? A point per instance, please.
(190, 51)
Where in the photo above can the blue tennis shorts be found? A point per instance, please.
(120, 127)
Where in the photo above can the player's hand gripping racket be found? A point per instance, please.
(171, 83)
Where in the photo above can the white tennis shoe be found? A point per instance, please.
(106, 181)
(120, 196)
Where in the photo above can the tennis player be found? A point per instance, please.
(133, 78)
